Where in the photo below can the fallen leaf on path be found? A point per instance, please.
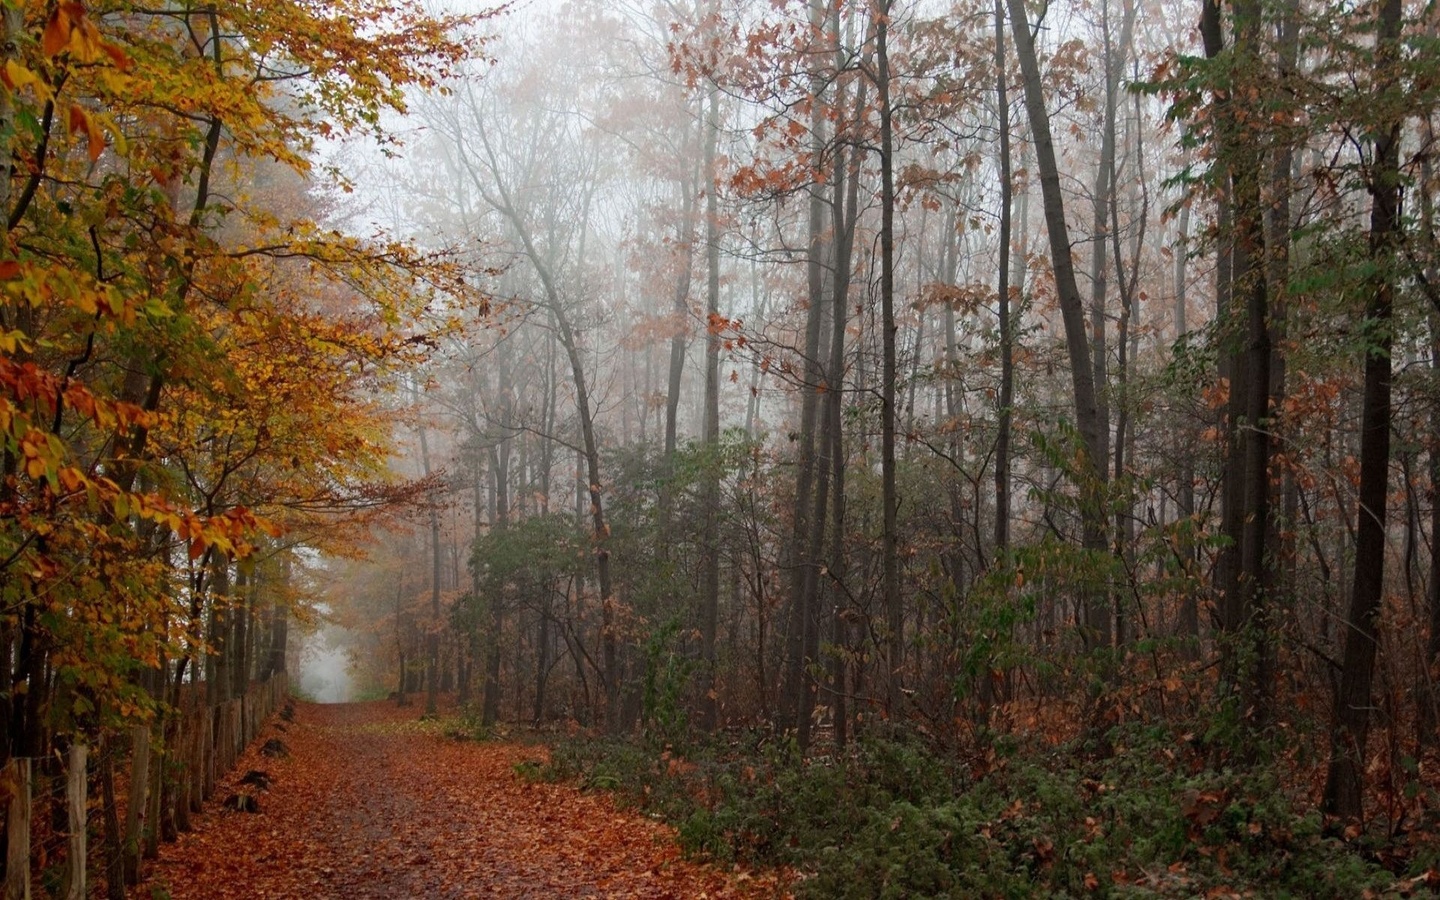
(371, 804)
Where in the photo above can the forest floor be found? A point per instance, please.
(370, 802)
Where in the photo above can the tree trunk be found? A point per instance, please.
(1344, 782)
(280, 629)
(1189, 619)
(135, 822)
(1243, 569)
(542, 656)
(710, 568)
(848, 176)
(1281, 539)
(240, 636)
(500, 483)
(432, 638)
(680, 313)
(890, 541)
(217, 682)
(1127, 330)
(1006, 398)
(401, 683)
(1095, 614)
(1102, 200)
(114, 838)
(795, 691)
(154, 800)
(1429, 712)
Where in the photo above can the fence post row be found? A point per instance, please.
(207, 742)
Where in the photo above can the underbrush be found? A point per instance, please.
(893, 816)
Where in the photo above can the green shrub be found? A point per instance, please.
(895, 817)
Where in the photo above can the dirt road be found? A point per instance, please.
(369, 803)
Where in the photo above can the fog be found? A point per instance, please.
(701, 364)
(325, 667)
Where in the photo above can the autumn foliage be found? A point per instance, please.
(192, 368)
(944, 448)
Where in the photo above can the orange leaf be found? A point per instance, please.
(96, 136)
(79, 119)
(117, 56)
(57, 31)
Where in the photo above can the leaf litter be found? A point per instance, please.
(368, 804)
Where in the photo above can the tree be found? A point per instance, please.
(1006, 396)
(1091, 467)
(134, 270)
(1345, 778)
(710, 579)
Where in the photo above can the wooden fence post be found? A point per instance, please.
(184, 772)
(197, 754)
(151, 816)
(210, 720)
(75, 844)
(207, 743)
(17, 824)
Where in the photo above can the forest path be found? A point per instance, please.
(372, 804)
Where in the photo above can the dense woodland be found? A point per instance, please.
(985, 377)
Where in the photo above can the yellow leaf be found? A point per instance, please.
(17, 76)
(85, 40)
(87, 303)
(117, 137)
(71, 479)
